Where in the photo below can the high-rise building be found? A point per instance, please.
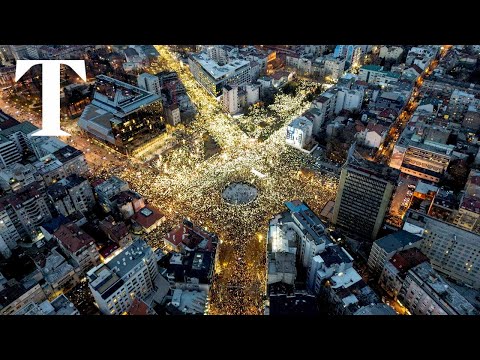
(325, 104)
(468, 214)
(422, 150)
(8, 231)
(24, 52)
(16, 176)
(72, 194)
(396, 268)
(213, 77)
(350, 100)
(253, 93)
(61, 164)
(363, 196)
(4, 248)
(26, 210)
(149, 82)
(121, 115)
(424, 292)
(78, 245)
(384, 248)
(230, 99)
(459, 103)
(172, 114)
(108, 189)
(219, 53)
(298, 230)
(452, 250)
(334, 68)
(299, 133)
(15, 295)
(9, 153)
(128, 275)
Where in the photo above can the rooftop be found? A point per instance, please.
(378, 128)
(296, 304)
(116, 230)
(345, 279)
(282, 262)
(372, 67)
(358, 163)
(406, 259)
(25, 127)
(193, 264)
(375, 309)
(6, 121)
(120, 98)
(24, 196)
(108, 277)
(424, 188)
(308, 221)
(138, 307)
(67, 153)
(215, 70)
(129, 257)
(148, 216)
(73, 238)
(10, 293)
(109, 184)
(63, 306)
(190, 302)
(52, 225)
(335, 255)
(434, 284)
(396, 241)
(300, 123)
(192, 237)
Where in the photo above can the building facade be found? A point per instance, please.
(424, 292)
(384, 248)
(128, 275)
(150, 83)
(213, 76)
(363, 197)
(299, 133)
(452, 251)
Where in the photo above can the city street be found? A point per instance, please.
(385, 150)
(186, 184)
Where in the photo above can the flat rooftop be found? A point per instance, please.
(308, 221)
(433, 281)
(215, 70)
(108, 277)
(396, 240)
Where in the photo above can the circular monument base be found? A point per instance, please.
(239, 193)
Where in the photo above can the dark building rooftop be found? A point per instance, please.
(296, 304)
(67, 153)
(407, 259)
(194, 264)
(396, 240)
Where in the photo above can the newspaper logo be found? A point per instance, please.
(51, 91)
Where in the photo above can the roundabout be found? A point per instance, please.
(239, 193)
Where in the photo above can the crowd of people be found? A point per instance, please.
(184, 183)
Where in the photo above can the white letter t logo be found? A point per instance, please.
(50, 91)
